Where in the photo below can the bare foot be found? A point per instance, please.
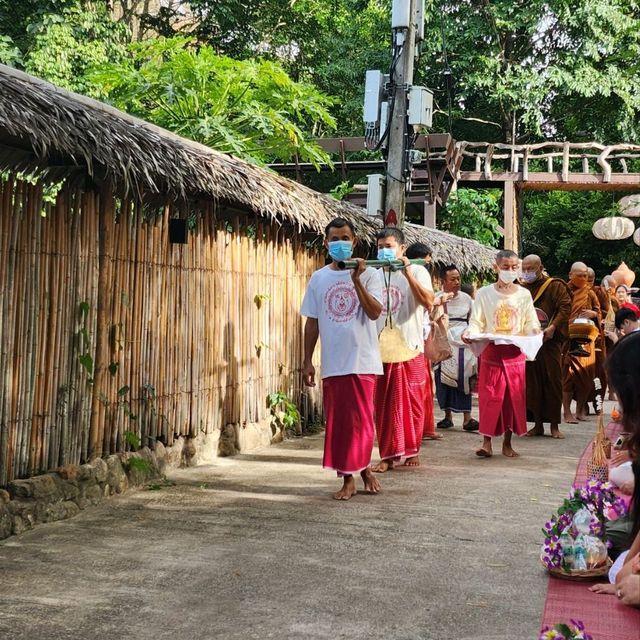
(483, 452)
(509, 452)
(569, 418)
(536, 431)
(556, 433)
(604, 588)
(433, 436)
(582, 417)
(414, 461)
(383, 466)
(348, 489)
(371, 483)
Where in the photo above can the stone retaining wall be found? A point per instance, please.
(66, 491)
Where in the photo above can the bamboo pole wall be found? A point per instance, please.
(107, 329)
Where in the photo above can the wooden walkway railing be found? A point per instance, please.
(564, 163)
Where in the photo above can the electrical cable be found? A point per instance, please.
(397, 52)
(448, 75)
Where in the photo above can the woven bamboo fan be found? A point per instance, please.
(598, 466)
(610, 320)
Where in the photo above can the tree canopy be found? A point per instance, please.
(261, 78)
(250, 108)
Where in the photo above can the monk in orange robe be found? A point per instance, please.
(580, 360)
(552, 301)
(601, 342)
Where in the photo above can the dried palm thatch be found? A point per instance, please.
(56, 134)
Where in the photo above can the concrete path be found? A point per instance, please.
(253, 547)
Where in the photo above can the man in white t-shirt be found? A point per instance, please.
(341, 308)
(400, 393)
(502, 309)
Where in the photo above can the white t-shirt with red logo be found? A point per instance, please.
(406, 313)
(348, 338)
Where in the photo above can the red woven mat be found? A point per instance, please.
(603, 616)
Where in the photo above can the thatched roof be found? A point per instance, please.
(50, 130)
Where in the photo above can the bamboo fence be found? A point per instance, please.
(108, 328)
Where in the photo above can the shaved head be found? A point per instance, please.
(579, 275)
(591, 274)
(531, 262)
(577, 267)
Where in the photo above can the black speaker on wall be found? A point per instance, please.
(178, 231)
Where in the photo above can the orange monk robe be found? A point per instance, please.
(544, 374)
(601, 344)
(579, 371)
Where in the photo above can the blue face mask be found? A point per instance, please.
(340, 250)
(387, 253)
(529, 276)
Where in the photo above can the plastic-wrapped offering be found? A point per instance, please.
(567, 544)
(582, 521)
(593, 553)
(579, 555)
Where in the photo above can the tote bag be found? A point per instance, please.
(437, 347)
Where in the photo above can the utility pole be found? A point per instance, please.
(400, 133)
(394, 112)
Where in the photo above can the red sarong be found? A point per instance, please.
(501, 391)
(400, 403)
(348, 409)
(429, 419)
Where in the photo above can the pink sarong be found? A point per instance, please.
(429, 419)
(501, 391)
(348, 409)
(400, 403)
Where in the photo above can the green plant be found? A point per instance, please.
(473, 214)
(250, 108)
(260, 298)
(132, 439)
(285, 416)
(139, 464)
(341, 190)
(85, 359)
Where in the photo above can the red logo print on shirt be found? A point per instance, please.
(395, 300)
(341, 302)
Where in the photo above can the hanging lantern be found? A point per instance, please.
(613, 228)
(636, 236)
(630, 206)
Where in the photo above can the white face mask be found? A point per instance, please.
(507, 276)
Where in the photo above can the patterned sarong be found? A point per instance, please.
(348, 409)
(400, 405)
(501, 391)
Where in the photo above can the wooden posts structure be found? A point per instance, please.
(548, 166)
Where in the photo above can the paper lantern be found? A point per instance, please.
(613, 228)
(623, 275)
(630, 206)
(636, 236)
